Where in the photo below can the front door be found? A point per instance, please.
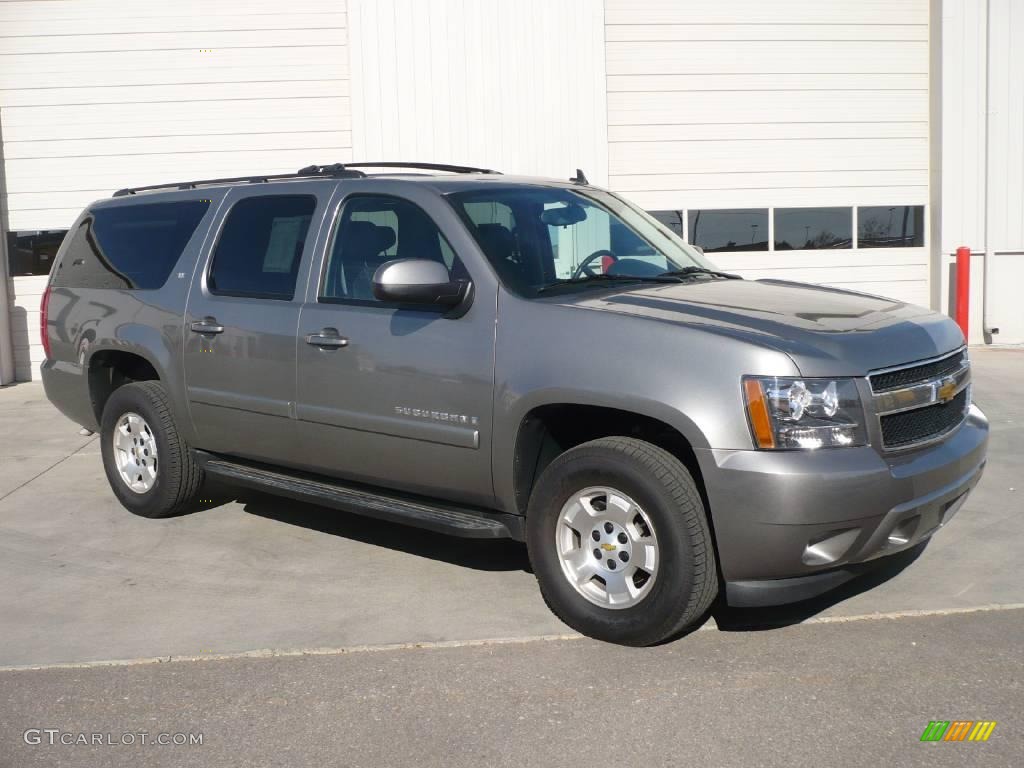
(391, 395)
(241, 323)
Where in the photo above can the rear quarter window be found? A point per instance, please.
(132, 247)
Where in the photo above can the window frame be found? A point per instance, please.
(212, 260)
(336, 220)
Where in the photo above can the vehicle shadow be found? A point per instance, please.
(758, 619)
(477, 554)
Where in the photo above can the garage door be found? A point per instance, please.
(96, 95)
(789, 139)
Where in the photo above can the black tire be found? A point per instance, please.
(178, 477)
(687, 579)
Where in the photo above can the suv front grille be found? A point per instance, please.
(883, 382)
(921, 402)
(900, 430)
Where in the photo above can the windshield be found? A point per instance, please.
(543, 237)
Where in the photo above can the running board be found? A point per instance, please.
(418, 511)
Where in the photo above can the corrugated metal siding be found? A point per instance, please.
(741, 103)
(517, 86)
(99, 94)
(983, 188)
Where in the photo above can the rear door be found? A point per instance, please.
(241, 321)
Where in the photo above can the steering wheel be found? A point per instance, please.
(584, 266)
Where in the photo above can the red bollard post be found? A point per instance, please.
(963, 287)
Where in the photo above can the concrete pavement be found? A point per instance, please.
(86, 580)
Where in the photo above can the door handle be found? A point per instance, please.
(326, 338)
(207, 325)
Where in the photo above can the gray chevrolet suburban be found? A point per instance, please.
(492, 356)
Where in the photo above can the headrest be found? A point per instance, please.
(497, 240)
(369, 239)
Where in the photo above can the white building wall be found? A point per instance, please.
(100, 94)
(515, 86)
(983, 160)
(747, 104)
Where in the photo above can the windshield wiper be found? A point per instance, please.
(665, 278)
(697, 271)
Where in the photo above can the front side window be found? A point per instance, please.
(540, 237)
(372, 230)
(132, 247)
(260, 247)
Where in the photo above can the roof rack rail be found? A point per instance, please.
(337, 170)
(423, 166)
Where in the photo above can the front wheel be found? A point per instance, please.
(620, 543)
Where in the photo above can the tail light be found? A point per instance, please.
(44, 307)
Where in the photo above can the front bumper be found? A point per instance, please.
(792, 524)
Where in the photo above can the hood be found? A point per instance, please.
(826, 331)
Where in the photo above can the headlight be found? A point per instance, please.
(804, 413)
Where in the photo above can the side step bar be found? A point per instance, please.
(418, 511)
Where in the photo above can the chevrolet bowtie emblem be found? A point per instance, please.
(608, 547)
(946, 391)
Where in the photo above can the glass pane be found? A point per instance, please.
(890, 226)
(671, 219)
(729, 229)
(261, 245)
(813, 228)
(538, 237)
(130, 246)
(373, 230)
(32, 253)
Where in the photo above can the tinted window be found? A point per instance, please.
(671, 219)
(260, 246)
(374, 229)
(129, 246)
(32, 253)
(890, 226)
(813, 228)
(729, 229)
(540, 237)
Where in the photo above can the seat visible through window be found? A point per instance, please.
(375, 229)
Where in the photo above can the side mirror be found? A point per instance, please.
(417, 281)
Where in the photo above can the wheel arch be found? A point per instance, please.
(110, 368)
(548, 429)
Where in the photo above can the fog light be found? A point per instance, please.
(903, 533)
(829, 548)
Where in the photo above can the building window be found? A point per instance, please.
(32, 253)
(890, 226)
(729, 229)
(813, 228)
(671, 219)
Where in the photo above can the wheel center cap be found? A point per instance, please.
(611, 546)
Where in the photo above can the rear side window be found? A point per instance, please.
(131, 247)
(260, 247)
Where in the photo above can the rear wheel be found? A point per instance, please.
(620, 543)
(148, 465)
